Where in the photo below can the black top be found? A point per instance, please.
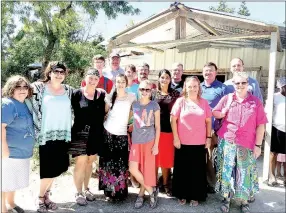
(88, 117)
(166, 103)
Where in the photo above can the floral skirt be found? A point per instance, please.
(236, 171)
(113, 166)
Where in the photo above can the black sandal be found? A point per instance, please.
(139, 202)
(42, 206)
(245, 208)
(225, 205)
(167, 190)
(154, 199)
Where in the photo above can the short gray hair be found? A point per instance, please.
(176, 64)
(241, 74)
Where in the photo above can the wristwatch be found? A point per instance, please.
(259, 146)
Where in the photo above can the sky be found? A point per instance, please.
(269, 12)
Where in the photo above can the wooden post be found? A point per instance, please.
(269, 103)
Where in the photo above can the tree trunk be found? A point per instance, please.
(48, 52)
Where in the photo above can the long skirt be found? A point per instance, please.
(165, 157)
(237, 172)
(15, 174)
(113, 166)
(54, 158)
(189, 175)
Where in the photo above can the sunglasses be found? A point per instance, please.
(61, 72)
(240, 83)
(143, 89)
(22, 87)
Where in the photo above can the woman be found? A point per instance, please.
(278, 144)
(87, 132)
(240, 138)
(145, 141)
(165, 96)
(52, 116)
(132, 87)
(191, 125)
(113, 161)
(17, 139)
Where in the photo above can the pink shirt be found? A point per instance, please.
(241, 121)
(191, 120)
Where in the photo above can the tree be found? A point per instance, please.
(243, 10)
(55, 20)
(222, 7)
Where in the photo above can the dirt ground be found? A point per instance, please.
(268, 200)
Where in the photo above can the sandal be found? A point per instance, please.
(41, 206)
(167, 190)
(194, 203)
(245, 208)
(154, 198)
(88, 195)
(139, 202)
(80, 199)
(225, 205)
(49, 204)
(182, 201)
(18, 209)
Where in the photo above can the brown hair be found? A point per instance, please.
(12, 82)
(190, 78)
(209, 64)
(131, 67)
(98, 57)
(52, 66)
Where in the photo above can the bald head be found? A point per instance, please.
(236, 65)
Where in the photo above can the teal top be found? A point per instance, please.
(56, 118)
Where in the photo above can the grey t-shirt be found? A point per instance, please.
(144, 122)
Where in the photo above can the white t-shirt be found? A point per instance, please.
(117, 118)
(279, 111)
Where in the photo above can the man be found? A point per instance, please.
(212, 91)
(143, 71)
(115, 68)
(177, 72)
(98, 62)
(237, 65)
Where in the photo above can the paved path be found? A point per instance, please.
(268, 200)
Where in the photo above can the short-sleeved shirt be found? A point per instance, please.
(20, 133)
(279, 103)
(133, 89)
(242, 119)
(253, 87)
(213, 93)
(179, 86)
(166, 103)
(104, 83)
(144, 122)
(191, 120)
(111, 74)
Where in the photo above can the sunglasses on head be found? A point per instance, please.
(61, 72)
(240, 83)
(22, 87)
(144, 89)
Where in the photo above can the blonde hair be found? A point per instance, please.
(12, 82)
(192, 78)
(146, 82)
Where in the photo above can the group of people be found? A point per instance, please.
(137, 127)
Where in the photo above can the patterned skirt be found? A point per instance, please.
(236, 171)
(113, 166)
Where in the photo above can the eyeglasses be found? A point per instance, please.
(143, 89)
(61, 72)
(240, 83)
(22, 87)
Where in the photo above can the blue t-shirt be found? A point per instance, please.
(133, 89)
(144, 122)
(213, 93)
(20, 134)
(253, 87)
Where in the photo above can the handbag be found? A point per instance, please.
(218, 122)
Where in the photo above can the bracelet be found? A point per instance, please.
(259, 146)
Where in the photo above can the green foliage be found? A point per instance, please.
(222, 7)
(243, 10)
